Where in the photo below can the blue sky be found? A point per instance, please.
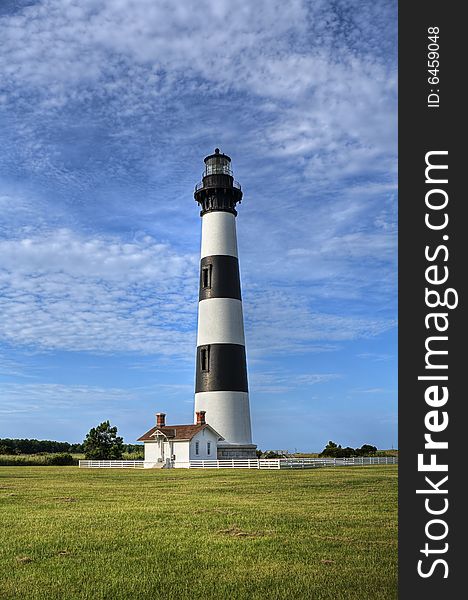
(107, 108)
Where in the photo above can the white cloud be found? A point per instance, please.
(12, 367)
(375, 356)
(374, 390)
(278, 322)
(268, 382)
(60, 290)
(63, 291)
(37, 397)
(62, 251)
(319, 79)
(327, 86)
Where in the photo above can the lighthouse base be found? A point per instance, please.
(227, 451)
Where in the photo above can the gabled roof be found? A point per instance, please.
(176, 432)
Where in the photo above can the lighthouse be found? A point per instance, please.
(221, 386)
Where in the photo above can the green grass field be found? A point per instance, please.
(178, 534)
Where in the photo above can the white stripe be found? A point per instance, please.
(220, 321)
(219, 234)
(228, 413)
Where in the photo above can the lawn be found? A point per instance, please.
(175, 534)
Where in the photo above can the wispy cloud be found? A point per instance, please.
(62, 291)
(58, 396)
(373, 391)
(281, 322)
(375, 357)
(275, 382)
(322, 92)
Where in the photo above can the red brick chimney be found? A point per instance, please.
(201, 417)
(160, 419)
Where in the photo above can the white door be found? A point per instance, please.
(161, 446)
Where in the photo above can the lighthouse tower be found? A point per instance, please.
(221, 388)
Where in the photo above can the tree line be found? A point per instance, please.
(336, 451)
(14, 446)
(101, 443)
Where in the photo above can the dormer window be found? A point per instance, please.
(205, 358)
(206, 277)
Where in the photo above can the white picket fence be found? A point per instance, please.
(247, 463)
(113, 464)
(237, 463)
(308, 463)
(291, 463)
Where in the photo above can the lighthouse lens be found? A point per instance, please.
(218, 165)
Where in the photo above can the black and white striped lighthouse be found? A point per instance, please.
(221, 387)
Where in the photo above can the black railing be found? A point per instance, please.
(235, 184)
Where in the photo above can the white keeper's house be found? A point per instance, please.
(176, 445)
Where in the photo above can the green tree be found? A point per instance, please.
(366, 450)
(4, 449)
(336, 451)
(331, 449)
(347, 452)
(103, 443)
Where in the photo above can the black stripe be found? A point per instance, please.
(227, 369)
(223, 276)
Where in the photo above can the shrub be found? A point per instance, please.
(63, 459)
(133, 456)
(270, 454)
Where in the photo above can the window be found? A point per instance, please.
(197, 447)
(208, 447)
(205, 358)
(206, 276)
